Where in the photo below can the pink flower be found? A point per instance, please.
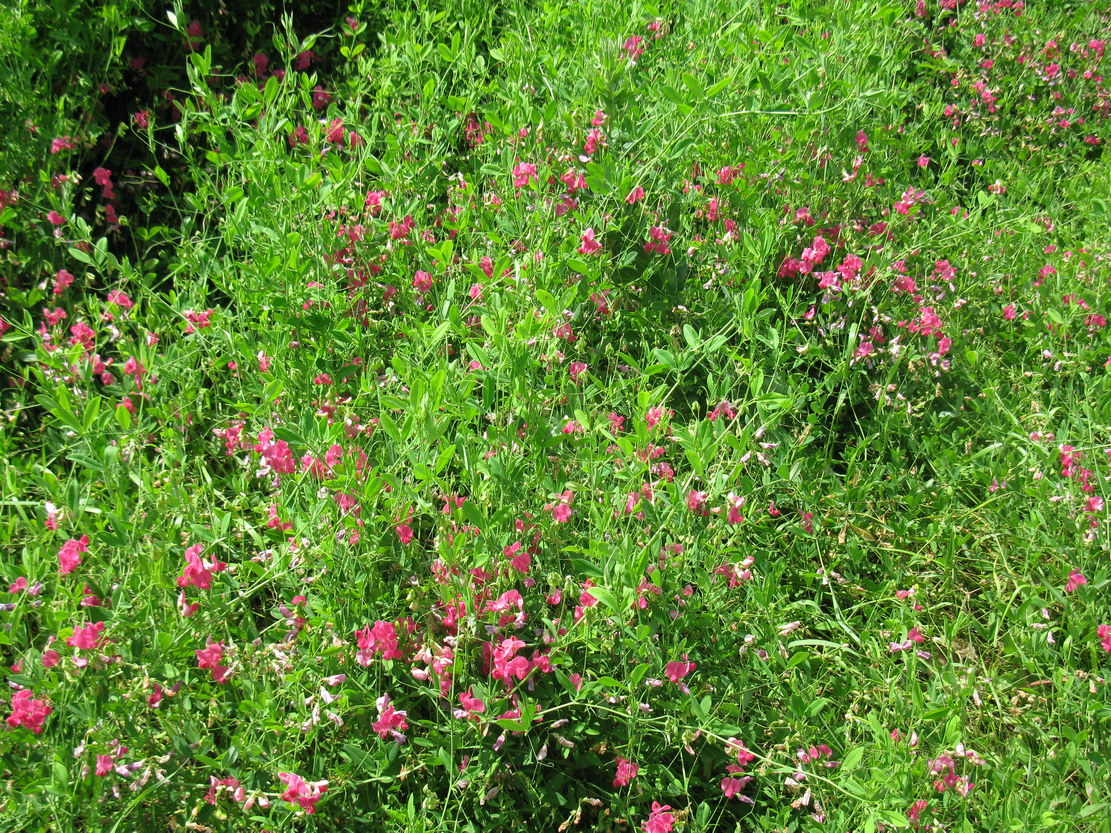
(1104, 634)
(62, 281)
(198, 572)
(626, 772)
(300, 792)
(660, 820)
(916, 810)
(522, 173)
(576, 369)
(201, 319)
(86, 637)
(506, 664)
(50, 658)
(210, 656)
(633, 50)
(121, 299)
(595, 138)
(734, 503)
(561, 512)
(55, 218)
(1076, 578)
(390, 721)
(696, 501)
(335, 133)
(28, 712)
(732, 787)
(658, 236)
(471, 704)
(635, 195)
(404, 533)
(104, 764)
(744, 757)
(518, 560)
(675, 671)
(589, 244)
(69, 556)
(380, 638)
(422, 281)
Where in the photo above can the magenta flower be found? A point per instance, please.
(28, 712)
(744, 757)
(104, 764)
(626, 772)
(380, 638)
(734, 504)
(561, 512)
(675, 671)
(335, 133)
(1104, 634)
(472, 706)
(522, 173)
(390, 721)
(732, 787)
(589, 244)
(1076, 578)
(86, 637)
(660, 820)
(198, 571)
(303, 793)
(69, 556)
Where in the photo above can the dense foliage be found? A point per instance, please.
(486, 416)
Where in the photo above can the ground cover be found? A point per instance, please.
(621, 416)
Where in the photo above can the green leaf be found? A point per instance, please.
(892, 818)
(551, 304)
(605, 597)
(77, 254)
(690, 336)
(443, 459)
(852, 759)
(694, 87)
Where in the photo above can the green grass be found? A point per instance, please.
(359, 382)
